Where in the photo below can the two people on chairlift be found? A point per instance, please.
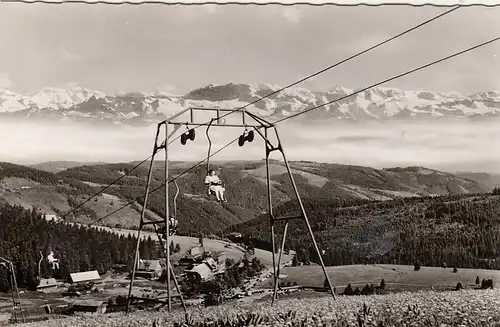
(215, 186)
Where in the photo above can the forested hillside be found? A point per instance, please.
(25, 233)
(245, 182)
(246, 186)
(458, 230)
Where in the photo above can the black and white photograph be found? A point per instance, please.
(249, 164)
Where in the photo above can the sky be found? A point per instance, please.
(179, 48)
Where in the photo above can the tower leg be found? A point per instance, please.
(14, 285)
(304, 217)
(141, 223)
(277, 275)
(16, 298)
(167, 225)
(165, 248)
(270, 210)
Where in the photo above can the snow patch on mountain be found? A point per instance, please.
(379, 103)
(50, 98)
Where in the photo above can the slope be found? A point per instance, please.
(55, 195)
(486, 179)
(460, 230)
(246, 184)
(57, 166)
(246, 189)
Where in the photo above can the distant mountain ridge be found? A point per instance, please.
(63, 185)
(142, 108)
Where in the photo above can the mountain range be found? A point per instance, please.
(142, 108)
(358, 214)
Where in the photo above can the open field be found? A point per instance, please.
(399, 280)
(464, 308)
(397, 277)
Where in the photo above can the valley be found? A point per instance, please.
(57, 193)
(362, 219)
(355, 144)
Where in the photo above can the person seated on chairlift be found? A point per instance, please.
(172, 224)
(53, 261)
(215, 185)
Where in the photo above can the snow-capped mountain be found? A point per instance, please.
(379, 103)
(50, 98)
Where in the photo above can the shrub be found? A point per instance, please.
(382, 284)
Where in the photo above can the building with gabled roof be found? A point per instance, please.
(150, 265)
(86, 276)
(90, 307)
(47, 285)
(201, 272)
(197, 251)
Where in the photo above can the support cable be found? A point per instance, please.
(335, 65)
(324, 104)
(163, 184)
(390, 79)
(280, 90)
(105, 188)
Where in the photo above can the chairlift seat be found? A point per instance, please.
(212, 192)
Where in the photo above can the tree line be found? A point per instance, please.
(26, 233)
(458, 230)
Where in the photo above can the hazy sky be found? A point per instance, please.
(179, 48)
(451, 146)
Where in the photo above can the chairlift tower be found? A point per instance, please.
(16, 298)
(246, 120)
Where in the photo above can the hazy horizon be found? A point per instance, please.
(449, 146)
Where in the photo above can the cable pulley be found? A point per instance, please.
(189, 135)
(246, 136)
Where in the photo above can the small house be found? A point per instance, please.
(150, 265)
(201, 272)
(47, 285)
(147, 274)
(90, 307)
(53, 218)
(150, 269)
(197, 252)
(85, 277)
(220, 258)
